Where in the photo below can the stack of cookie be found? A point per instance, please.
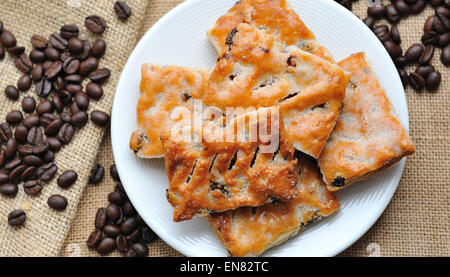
(330, 125)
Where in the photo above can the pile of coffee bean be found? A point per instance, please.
(436, 34)
(118, 226)
(30, 137)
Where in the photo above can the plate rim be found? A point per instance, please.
(172, 242)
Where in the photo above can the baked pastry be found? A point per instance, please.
(258, 71)
(274, 16)
(162, 90)
(368, 136)
(212, 174)
(251, 231)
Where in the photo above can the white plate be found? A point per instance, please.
(179, 38)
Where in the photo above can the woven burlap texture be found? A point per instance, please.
(416, 221)
(45, 230)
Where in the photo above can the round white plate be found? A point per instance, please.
(179, 38)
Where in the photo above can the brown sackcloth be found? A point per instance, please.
(45, 230)
(416, 223)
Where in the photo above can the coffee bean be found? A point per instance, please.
(75, 45)
(5, 133)
(57, 103)
(430, 37)
(94, 238)
(128, 209)
(392, 15)
(2, 52)
(53, 128)
(111, 231)
(57, 202)
(140, 249)
(135, 235)
(86, 50)
(10, 149)
(66, 133)
(57, 41)
(106, 246)
(113, 211)
(416, 81)
(3, 176)
(12, 164)
(47, 172)
(79, 119)
(376, 11)
(100, 218)
(48, 156)
(115, 197)
(23, 63)
(428, 26)
(395, 34)
(73, 78)
(54, 70)
(369, 21)
(16, 217)
(29, 174)
(95, 24)
(37, 56)
(123, 11)
(382, 32)
(414, 52)
(98, 48)
(12, 92)
(444, 40)
(14, 117)
(28, 104)
(52, 54)
(15, 176)
(24, 83)
(65, 117)
(427, 55)
(128, 226)
(114, 174)
(2, 159)
(7, 39)
(69, 31)
(435, 3)
(441, 24)
(24, 150)
(16, 50)
(54, 144)
(100, 75)
(40, 148)
(32, 187)
(100, 118)
(97, 173)
(39, 42)
(43, 87)
(130, 254)
(94, 90)
(1, 27)
(443, 10)
(148, 235)
(445, 55)
(402, 8)
(82, 100)
(433, 80)
(71, 65)
(88, 66)
(122, 243)
(37, 73)
(425, 70)
(44, 107)
(392, 48)
(67, 179)
(47, 118)
(73, 88)
(9, 189)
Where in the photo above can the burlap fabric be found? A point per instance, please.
(414, 224)
(45, 229)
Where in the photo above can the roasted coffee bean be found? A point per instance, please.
(433, 80)
(94, 238)
(2, 52)
(31, 121)
(402, 8)
(418, 7)
(100, 118)
(100, 218)
(64, 56)
(14, 117)
(88, 66)
(119, 188)
(24, 83)
(376, 11)
(140, 249)
(2, 157)
(23, 63)
(57, 103)
(65, 117)
(7, 39)
(54, 144)
(130, 254)
(128, 209)
(444, 40)
(12, 164)
(40, 148)
(15, 176)
(441, 24)
(53, 128)
(47, 118)
(71, 65)
(29, 174)
(148, 235)
(37, 56)
(123, 11)
(52, 54)
(37, 73)
(73, 88)
(111, 231)
(73, 78)
(43, 87)
(430, 37)
(416, 81)
(1, 27)
(9, 189)
(404, 77)
(113, 211)
(24, 150)
(369, 21)
(75, 45)
(3, 178)
(16, 50)
(114, 174)
(57, 202)
(122, 243)
(428, 26)
(66, 133)
(12, 92)
(44, 107)
(10, 149)
(435, 3)
(443, 10)
(69, 31)
(128, 226)
(94, 90)
(100, 75)
(425, 70)
(67, 179)
(48, 156)
(106, 246)
(392, 48)
(414, 52)
(392, 15)
(28, 104)
(32, 187)
(395, 34)
(95, 24)
(54, 70)
(382, 32)
(97, 173)
(86, 50)
(16, 217)
(39, 42)
(79, 119)
(58, 83)
(115, 197)
(5, 133)
(82, 100)
(98, 48)
(47, 172)
(445, 55)
(427, 55)
(135, 235)
(57, 41)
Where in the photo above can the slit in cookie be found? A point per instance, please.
(289, 96)
(252, 163)
(338, 182)
(233, 160)
(212, 163)
(192, 172)
(276, 152)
